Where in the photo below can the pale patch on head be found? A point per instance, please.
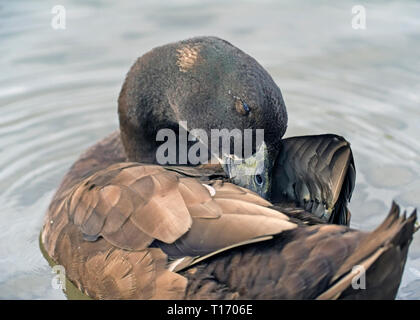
(187, 57)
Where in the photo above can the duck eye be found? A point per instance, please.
(245, 107)
(258, 179)
(242, 107)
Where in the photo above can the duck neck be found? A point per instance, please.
(138, 144)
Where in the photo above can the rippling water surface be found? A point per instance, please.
(58, 93)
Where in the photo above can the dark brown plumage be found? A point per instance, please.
(309, 263)
(318, 174)
(304, 262)
(126, 228)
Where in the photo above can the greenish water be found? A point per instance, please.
(58, 93)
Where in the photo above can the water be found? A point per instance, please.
(58, 93)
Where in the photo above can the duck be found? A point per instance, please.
(272, 225)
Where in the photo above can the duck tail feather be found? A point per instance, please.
(380, 256)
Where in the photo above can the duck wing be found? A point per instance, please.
(315, 262)
(115, 230)
(317, 173)
(203, 172)
(132, 205)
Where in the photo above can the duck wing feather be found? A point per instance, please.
(317, 173)
(132, 206)
(314, 262)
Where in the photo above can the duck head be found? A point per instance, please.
(253, 172)
(205, 83)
